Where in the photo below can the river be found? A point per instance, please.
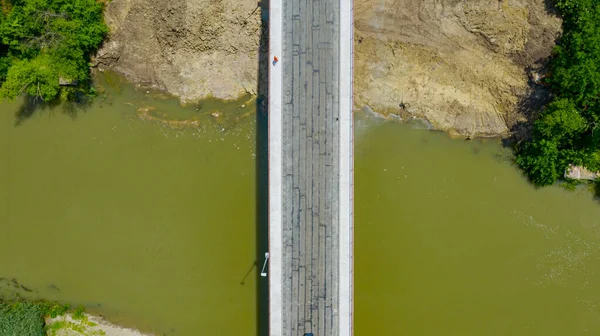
(156, 228)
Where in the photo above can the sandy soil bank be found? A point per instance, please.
(90, 325)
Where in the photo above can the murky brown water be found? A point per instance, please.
(151, 226)
(451, 240)
(156, 228)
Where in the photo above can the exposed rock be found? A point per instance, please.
(580, 173)
(67, 82)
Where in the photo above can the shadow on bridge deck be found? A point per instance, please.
(262, 173)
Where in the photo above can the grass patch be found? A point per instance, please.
(56, 310)
(78, 313)
(56, 326)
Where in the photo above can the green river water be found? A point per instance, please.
(157, 228)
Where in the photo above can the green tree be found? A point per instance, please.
(45, 41)
(567, 130)
(37, 77)
(560, 121)
(539, 159)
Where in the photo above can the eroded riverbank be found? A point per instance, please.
(466, 67)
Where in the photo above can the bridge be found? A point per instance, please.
(310, 267)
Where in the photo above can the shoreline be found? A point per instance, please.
(403, 116)
(30, 316)
(89, 325)
(442, 73)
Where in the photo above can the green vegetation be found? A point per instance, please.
(57, 310)
(22, 318)
(79, 324)
(73, 327)
(44, 43)
(567, 130)
(28, 318)
(78, 313)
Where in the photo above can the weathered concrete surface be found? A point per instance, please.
(310, 170)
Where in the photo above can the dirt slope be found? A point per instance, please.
(190, 48)
(461, 64)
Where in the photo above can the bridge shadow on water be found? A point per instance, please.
(262, 172)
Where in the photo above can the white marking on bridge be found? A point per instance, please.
(275, 157)
(346, 214)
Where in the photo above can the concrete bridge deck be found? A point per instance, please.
(310, 168)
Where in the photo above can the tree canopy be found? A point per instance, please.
(46, 43)
(567, 130)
